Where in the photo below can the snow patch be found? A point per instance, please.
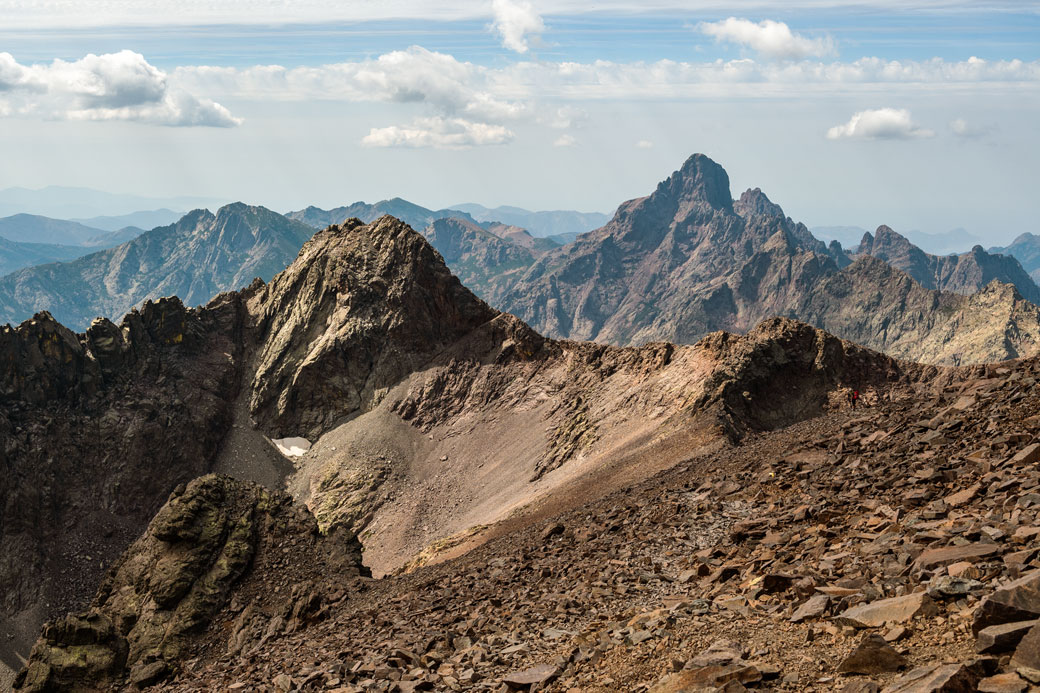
(292, 447)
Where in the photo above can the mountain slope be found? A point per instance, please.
(688, 260)
(30, 228)
(1025, 249)
(15, 256)
(963, 274)
(196, 258)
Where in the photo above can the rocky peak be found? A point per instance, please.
(362, 305)
(700, 181)
(755, 202)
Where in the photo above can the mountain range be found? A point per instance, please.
(196, 258)
(688, 260)
(676, 265)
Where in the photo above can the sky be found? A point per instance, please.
(919, 114)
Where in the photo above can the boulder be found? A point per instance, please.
(1002, 638)
(1017, 601)
(937, 678)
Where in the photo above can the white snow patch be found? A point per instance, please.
(292, 447)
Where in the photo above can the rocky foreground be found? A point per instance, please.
(890, 548)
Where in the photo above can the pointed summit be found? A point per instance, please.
(362, 305)
(700, 180)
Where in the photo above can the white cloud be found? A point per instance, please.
(644, 144)
(565, 141)
(879, 124)
(438, 133)
(964, 129)
(115, 86)
(771, 39)
(515, 20)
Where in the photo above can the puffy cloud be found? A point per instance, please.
(115, 86)
(438, 133)
(565, 141)
(879, 124)
(644, 144)
(514, 21)
(768, 38)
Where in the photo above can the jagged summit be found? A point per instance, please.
(755, 202)
(362, 305)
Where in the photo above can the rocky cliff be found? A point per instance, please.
(965, 273)
(195, 259)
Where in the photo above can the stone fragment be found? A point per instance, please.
(953, 554)
(895, 610)
(1030, 454)
(873, 655)
(1003, 683)
(947, 586)
(814, 607)
(144, 675)
(1017, 601)
(936, 678)
(1027, 654)
(538, 674)
(1002, 638)
(720, 653)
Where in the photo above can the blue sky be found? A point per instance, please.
(918, 114)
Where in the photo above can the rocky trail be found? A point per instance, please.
(890, 548)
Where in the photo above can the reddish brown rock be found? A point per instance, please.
(873, 655)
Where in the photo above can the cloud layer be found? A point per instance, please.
(768, 38)
(81, 13)
(115, 86)
(439, 133)
(880, 124)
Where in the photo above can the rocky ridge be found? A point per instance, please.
(891, 547)
(965, 273)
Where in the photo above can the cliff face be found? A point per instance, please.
(196, 258)
(962, 274)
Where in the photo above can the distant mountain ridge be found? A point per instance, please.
(1025, 249)
(956, 241)
(963, 274)
(200, 256)
(416, 216)
(61, 202)
(542, 224)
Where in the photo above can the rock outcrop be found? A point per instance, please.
(170, 584)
